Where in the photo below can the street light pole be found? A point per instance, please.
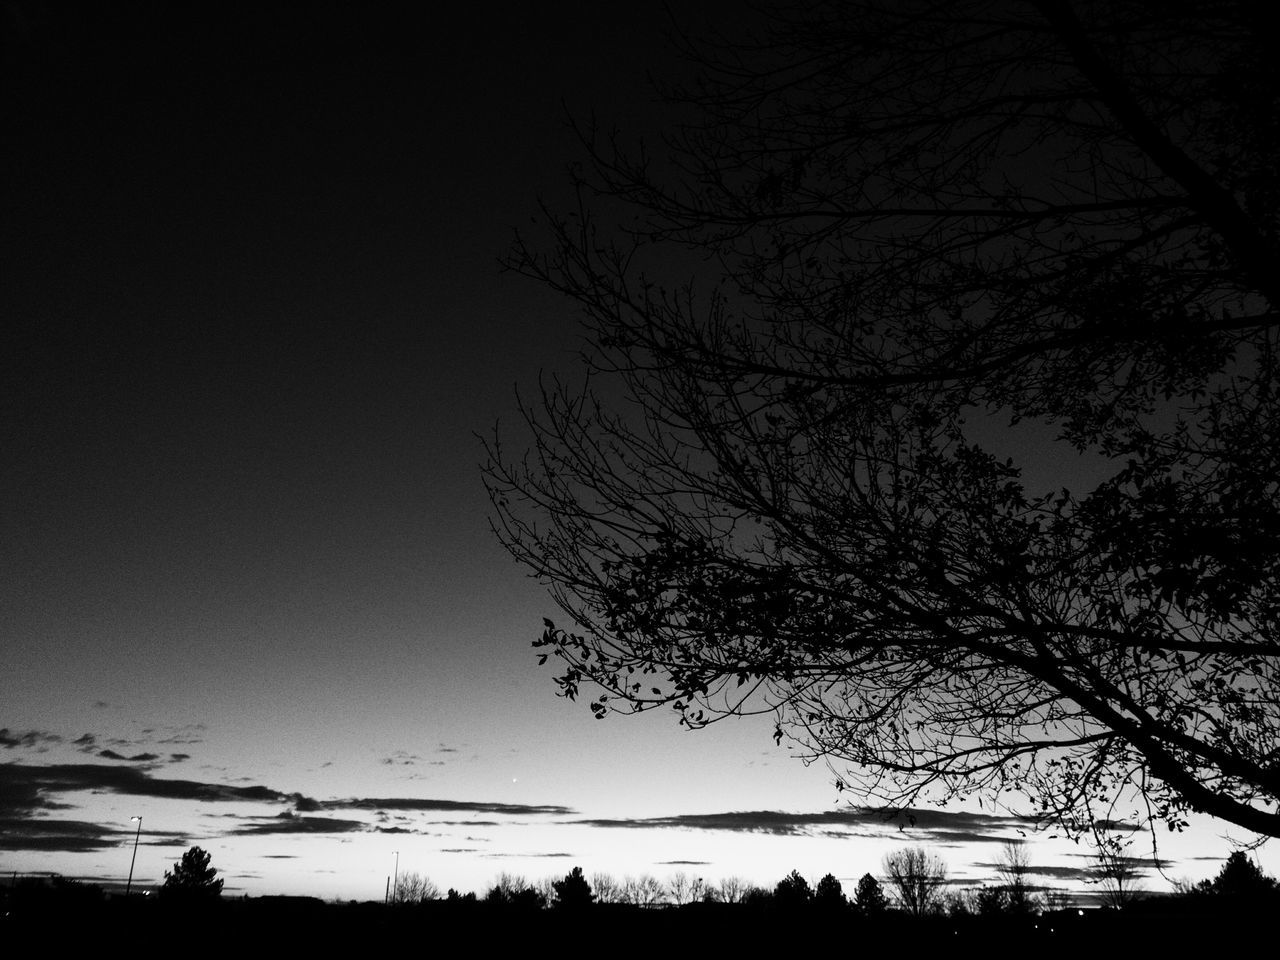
(129, 886)
(396, 885)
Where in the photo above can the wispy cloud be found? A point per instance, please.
(1133, 863)
(292, 824)
(130, 781)
(424, 805)
(941, 826)
(38, 740)
(29, 790)
(136, 758)
(401, 758)
(63, 836)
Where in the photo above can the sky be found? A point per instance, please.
(256, 326)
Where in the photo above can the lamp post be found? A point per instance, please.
(128, 886)
(396, 886)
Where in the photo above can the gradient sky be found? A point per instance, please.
(247, 589)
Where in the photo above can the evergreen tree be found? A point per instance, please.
(792, 891)
(573, 891)
(1240, 877)
(869, 897)
(829, 894)
(192, 877)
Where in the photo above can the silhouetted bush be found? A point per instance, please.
(792, 891)
(573, 892)
(192, 879)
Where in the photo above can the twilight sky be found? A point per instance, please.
(254, 322)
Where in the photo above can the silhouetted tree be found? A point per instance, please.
(573, 892)
(1239, 877)
(869, 897)
(1117, 874)
(1014, 867)
(792, 891)
(918, 880)
(412, 887)
(546, 887)
(510, 888)
(988, 900)
(960, 444)
(642, 891)
(757, 898)
(829, 894)
(684, 888)
(192, 878)
(959, 904)
(606, 888)
(1055, 898)
(731, 889)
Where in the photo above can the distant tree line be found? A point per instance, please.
(914, 884)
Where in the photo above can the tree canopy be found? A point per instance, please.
(1239, 877)
(931, 403)
(192, 877)
(869, 897)
(918, 879)
(573, 892)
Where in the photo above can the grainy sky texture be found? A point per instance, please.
(254, 322)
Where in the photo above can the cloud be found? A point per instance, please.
(136, 758)
(56, 836)
(275, 826)
(1135, 863)
(182, 739)
(1054, 872)
(27, 832)
(400, 758)
(684, 863)
(179, 757)
(30, 740)
(29, 789)
(429, 805)
(130, 781)
(421, 805)
(944, 827)
(537, 856)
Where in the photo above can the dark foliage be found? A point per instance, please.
(792, 891)
(1240, 877)
(869, 897)
(573, 892)
(959, 444)
(828, 894)
(192, 878)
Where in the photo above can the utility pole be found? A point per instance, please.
(129, 886)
